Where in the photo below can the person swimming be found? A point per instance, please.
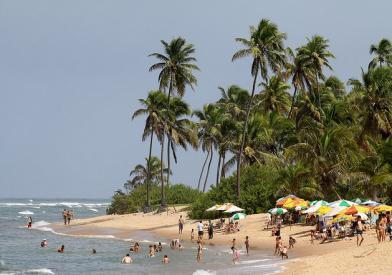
(126, 260)
(165, 259)
(44, 243)
(61, 249)
(160, 247)
(94, 251)
(151, 253)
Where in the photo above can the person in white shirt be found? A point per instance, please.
(200, 231)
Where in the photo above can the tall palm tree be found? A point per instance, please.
(382, 52)
(266, 48)
(176, 67)
(153, 108)
(209, 131)
(315, 54)
(274, 96)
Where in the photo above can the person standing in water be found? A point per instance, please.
(180, 224)
(65, 216)
(247, 245)
(236, 255)
(30, 222)
(126, 260)
(165, 259)
(210, 230)
(61, 249)
(199, 250)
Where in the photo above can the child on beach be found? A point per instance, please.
(284, 252)
(236, 255)
(312, 236)
(292, 241)
(247, 245)
(278, 244)
(192, 235)
(126, 260)
(61, 249)
(165, 259)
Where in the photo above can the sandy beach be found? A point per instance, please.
(338, 257)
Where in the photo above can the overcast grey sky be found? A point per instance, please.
(71, 73)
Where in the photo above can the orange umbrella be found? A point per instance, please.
(355, 209)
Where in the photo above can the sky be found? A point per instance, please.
(71, 74)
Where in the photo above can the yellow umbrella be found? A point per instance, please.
(323, 210)
(342, 218)
(383, 208)
(284, 201)
(295, 203)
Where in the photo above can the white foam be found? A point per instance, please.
(26, 212)
(145, 241)
(93, 209)
(40, 271)
(253, 261)
(204, 272)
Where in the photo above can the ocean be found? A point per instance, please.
(20, 251)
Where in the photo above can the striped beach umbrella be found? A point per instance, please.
(238, 216)
(277, 211)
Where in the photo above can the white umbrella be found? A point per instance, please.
(370, 203)
(214, 208)
(363, 216)
(311, 209)
(341, 203)
(224, 207)
(234, 209)
(335, 210)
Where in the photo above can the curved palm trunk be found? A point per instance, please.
(202, 170)
(162, 180)
(208, 169)
(293, 102)
(239, 156)
(149, 170)
(218, 170)
(223, 165)
(168, 160)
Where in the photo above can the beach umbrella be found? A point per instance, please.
(318, 203)
(370, 203)
(345, 203)
(335, 211)
(354, 209)
(357, 200)
(294, 203)
(299, 208)
(287, 199)
(363, 216)
(323, 210)
(383, 208)
(224, 206)
(214, 208)
(277, 211)
(238, 216)
(233, 209)
(311, 209)
(342, 218)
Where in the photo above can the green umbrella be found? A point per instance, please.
(238, 216)
(277, 211)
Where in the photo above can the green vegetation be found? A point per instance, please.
(299, 130)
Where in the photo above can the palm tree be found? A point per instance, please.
(382, 52)
(143, 174)
(315, 54)
(209, 131)
(176, 67)
(274, 96)
(153, 108)
(266, 48)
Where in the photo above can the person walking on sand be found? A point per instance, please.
(284, 252)
(126, 260)
(180, 224)
(247, 245)
(292, 241)
(278, 244)
(199, 250)
(236, 255)
(210, 230)
(30, 222)
(65, 216)
(200, 231)
(359, 230)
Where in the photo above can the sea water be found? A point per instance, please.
(20, 251)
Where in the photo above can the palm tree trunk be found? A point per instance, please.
(202, 170)
(239, 156)
(218, 170)
(168, 159)
(149, 170)
(293, 101)
(223, 165)
(208, 169)
(162, 180)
